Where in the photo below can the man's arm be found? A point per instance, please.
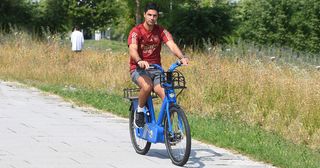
(177, 52)
(133, 52)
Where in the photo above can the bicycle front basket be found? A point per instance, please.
(175, 79)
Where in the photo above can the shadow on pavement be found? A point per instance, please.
(198, 157)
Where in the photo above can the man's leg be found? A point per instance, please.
(156, 83)
(159, 91)
(145, 85)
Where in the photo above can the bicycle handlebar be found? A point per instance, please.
(171, 69)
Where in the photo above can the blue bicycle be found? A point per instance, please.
(171, 126)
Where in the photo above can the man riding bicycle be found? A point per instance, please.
(144, 43)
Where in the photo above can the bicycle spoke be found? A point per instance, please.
(140, 145)
(178, 144)
(140, 142)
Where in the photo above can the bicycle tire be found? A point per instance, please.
(145, 146)
(172, 141)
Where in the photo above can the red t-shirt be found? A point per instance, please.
(149, 43)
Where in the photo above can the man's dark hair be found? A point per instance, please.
(151, 6)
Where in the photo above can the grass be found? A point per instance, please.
(256, 98)
(106, 45)
(254, 141)
(95, 98)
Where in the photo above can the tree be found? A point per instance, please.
(93, 14)
(197, 27)
(14, 12)
(293, 23)
(56, 15)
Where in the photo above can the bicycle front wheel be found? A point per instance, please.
(178, 141)
(141, 146)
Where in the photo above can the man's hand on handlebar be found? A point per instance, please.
(143, 64)
(184, 61)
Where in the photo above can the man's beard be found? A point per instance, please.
(151, 23)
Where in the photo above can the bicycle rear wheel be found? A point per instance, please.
(141, 146)
(178, 142)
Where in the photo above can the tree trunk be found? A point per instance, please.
(138, 13)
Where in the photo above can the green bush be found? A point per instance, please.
(293, 23)
(210, 24)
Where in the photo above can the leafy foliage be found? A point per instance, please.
(14, 12)
(56, 15)
(289, 23)
(209, 24)
(293, 23)
(93, 14)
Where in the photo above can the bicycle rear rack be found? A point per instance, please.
(133, 93)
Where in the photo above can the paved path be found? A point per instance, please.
(38, 130)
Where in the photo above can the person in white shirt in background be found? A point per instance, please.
(77, 40)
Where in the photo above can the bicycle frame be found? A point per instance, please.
(153, 131)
